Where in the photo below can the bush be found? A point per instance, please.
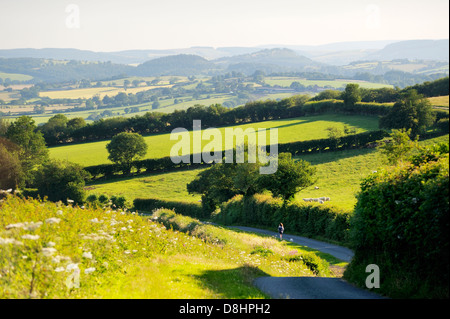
(401, 223)
(316, 264)
(97, 202)
(118, 202)
(443, 125)
(188, 209)
(61, 181)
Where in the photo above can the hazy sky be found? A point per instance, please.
(138, 24)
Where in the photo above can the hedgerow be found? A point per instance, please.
(401, 224)
(312, 220)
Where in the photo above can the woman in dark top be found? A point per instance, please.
(281, 230)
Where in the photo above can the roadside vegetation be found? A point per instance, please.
(53, 251)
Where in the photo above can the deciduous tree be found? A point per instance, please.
(125, 148)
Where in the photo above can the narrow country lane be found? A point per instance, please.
(311, 287)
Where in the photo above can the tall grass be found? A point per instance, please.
(50, 250)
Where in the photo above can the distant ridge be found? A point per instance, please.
(414, 49)
(333, 53)
(182, 64)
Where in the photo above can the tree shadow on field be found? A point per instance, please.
(236, 283)
(333, 156)
(299, 122)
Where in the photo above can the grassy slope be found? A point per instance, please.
(289, 130)
(15, 76)
(442, 101)
(130, 256)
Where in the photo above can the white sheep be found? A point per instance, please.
(320, 201)
(307, 199)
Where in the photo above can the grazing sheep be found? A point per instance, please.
(307, 199)
(327, 199)
(316, 187)
(322, 198)
(320, 201)
(315, 199)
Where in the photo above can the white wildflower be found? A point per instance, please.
(53, 220)
(70, 201)
(113, 222)
(17, 225)
(89, 270)
(51, 244)
(94, 220)
(5, 241)
(87, 255)
(59, 212)
(57, 259)
(127, 252)
(48, 251)
(32, 237)
(32, 225)
(71, 267)
(59, 269)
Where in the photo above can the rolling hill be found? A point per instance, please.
(414, 50)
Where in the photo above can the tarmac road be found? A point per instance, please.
(310, 287)
(342, 253)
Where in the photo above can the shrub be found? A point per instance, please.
(118, 202)
(401, 223)
(187, 209)
(61, 180)
(316, 264)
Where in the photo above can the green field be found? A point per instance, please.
(88, 93)
(339, 175)
(441, 101)
(289, 130)
(165, 186)
(15, 77)
(334, 84)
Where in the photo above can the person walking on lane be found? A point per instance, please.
(281, 230)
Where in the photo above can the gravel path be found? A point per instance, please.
(310, 287)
